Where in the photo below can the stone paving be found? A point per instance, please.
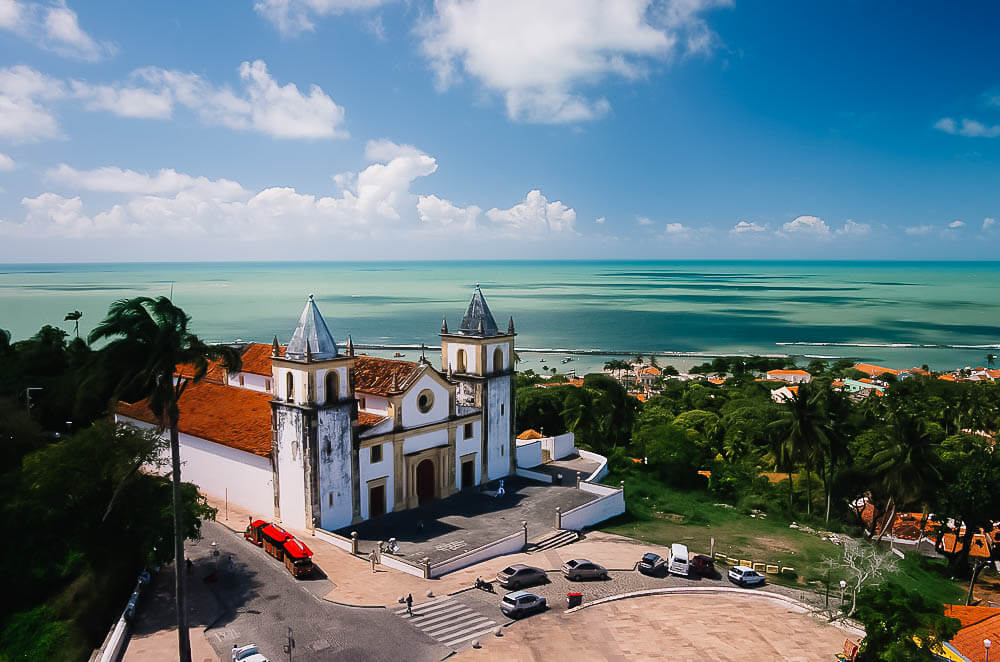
(470, 519)
(680, 628)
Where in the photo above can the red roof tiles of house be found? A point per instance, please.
(978, 623)
(375, 376)
(874, 370)
(234, 417)
(778, 373)
(980, 544)
(257, 358)
(530, 434)
(214, 373)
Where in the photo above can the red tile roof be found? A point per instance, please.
(787, 372)
(530, 434)
(978, 623)
(874, 370)
(215, 372)
(367, 421)
(257, 358)
(980, 545)
(374, 375)
(231, 416)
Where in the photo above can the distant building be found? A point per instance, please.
(790, 376)
(875, 370)
(784, 394)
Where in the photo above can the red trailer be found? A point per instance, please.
(252, 532)
(298, 558)
(274, 540)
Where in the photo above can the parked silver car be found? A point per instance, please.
(521, 603)
(576, 569)
(519, 574)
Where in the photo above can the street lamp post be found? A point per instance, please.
(986, 644)
(843, 587)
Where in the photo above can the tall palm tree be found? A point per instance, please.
(806, 429)
(148, 338)
(75, 318)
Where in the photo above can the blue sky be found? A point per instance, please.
(379, 129)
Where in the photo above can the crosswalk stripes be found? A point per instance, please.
(447, 620)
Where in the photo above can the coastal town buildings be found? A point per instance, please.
(325, 437)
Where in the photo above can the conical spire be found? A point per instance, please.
(444, 325)
(478, 320)
(312, 338)
(350, 346)
(395, 383)
(510, 326)
(274, 347)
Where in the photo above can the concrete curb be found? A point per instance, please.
(347, 604)
(766, 595)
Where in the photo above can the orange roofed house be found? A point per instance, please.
(324, 438)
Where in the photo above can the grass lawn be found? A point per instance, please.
(662, 515)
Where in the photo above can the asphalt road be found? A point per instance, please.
(258, 601)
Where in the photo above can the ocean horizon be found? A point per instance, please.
(568, 313)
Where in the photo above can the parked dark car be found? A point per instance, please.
(576, 569)
(652, 564)
(702, 566)
(521, 603)
(519, 574)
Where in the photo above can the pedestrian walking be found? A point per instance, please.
(373, 557)
(409, 604)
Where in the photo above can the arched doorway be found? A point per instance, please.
(425, 482)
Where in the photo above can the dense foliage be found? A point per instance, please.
(901, 626)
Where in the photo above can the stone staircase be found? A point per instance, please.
(552, 540)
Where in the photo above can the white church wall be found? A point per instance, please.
(280, 381)
(291, 473)
(464, 446)
(221, 471)
(498, 438)
(342, 384)
(490, 350)
(419, 442)
(529, 453)
(471, 357)
(251, 382)
(373, 404)
(372, 471)
(560, 446)
(412, 416)
(334, 471)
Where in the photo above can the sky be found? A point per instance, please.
(464, 129)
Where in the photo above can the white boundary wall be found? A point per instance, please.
(596, 511)
(597, 488)
(508, 545)
(601, 471)
(529, 453)
(335, 540)
(401, 565)
(533, 475)
(560, 446)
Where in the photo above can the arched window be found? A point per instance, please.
(498, 360)
(332, 386)
(289, 387)
(460, 361)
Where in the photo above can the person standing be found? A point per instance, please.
(373, 557)
(409, 604)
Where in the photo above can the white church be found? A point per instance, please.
(326, 438)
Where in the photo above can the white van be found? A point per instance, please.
(678, 564)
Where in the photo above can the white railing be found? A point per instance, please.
(509, 545)
(591, 513)
(533, 475)
(597, 488)
(601, 471)
(117, 640)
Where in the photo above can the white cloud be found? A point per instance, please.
(644, 221)
(676, 228)
(919, 230)
(968, 128)
(438, 214)
(989, 223)
(600, 220)
(808, 226)
(110, 179)
(292, 17)
(264, 106)
(22, 117)
(744, 227)
(534, 217)
(538, 55)
(54, 27)
(853, 229)
(955, 225)
(6, 163)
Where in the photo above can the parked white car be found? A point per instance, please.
(678, 564)
(248, 653)
(744, 576)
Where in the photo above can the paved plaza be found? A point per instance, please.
(470, 519)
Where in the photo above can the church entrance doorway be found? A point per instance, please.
(468, 474)
(376, 501)
(425, 482)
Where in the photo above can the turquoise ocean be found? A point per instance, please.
(902, 314)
